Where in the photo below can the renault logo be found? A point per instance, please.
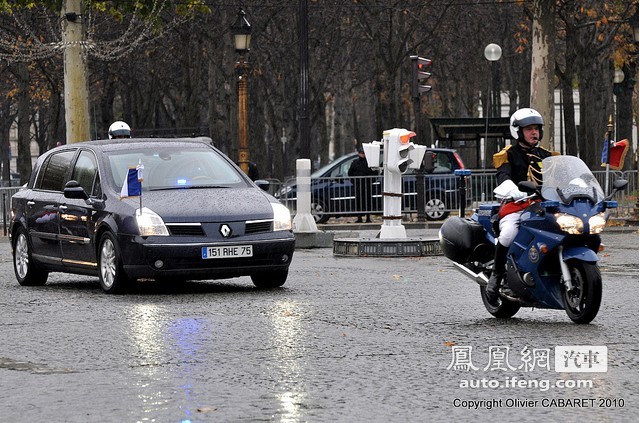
(225, 230)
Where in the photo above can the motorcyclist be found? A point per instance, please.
(119, 129)
(517, 162)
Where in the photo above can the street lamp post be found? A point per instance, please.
(493, 53)
(241, 30)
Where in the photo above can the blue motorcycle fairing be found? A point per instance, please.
(580, 253)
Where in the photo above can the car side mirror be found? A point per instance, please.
(263, 184)
(72, 189)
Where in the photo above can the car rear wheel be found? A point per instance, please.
(270, 279)
(318, 211)
(27, 272)
(113, 279)
(435, 209)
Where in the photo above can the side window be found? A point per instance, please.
(85, 170)
(52, 175)
(342, 170)
(442, 164)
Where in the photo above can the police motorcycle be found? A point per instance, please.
(552, 263)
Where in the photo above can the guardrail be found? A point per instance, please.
(481, 183)
(345, 201)
(5, 206)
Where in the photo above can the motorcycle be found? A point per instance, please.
(552, 263)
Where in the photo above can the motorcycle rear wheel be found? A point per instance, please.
(582, 303)
(501, 308)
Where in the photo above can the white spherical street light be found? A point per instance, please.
(492, 52)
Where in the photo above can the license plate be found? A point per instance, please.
(230, 251)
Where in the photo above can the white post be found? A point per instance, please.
(303, 220)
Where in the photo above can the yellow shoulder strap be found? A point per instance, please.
(553, 153)
(501, 157)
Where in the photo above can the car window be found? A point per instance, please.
(85, 170)
(167, 167)
(53, 172)
(442, 163)
(343, 169)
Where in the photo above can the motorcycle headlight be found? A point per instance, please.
(597, 223)
(570, 224)
(149, 223)
(281, 217)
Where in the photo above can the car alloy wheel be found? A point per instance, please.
(108, 263)
(22, 256)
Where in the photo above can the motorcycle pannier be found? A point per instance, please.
(458, 238)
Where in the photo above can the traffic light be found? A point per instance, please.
(419, 74)
(373, 153)
(398, 156)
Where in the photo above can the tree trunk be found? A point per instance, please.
(76, 94)
(595, 108)
(543, 65)
(24, 112)
(6, 118)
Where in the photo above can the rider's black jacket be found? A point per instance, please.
(520, 164)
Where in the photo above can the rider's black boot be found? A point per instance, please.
(499, 263)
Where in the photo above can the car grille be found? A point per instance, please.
(190, 229)
(195, 229)
(258, 226)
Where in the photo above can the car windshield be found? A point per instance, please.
(567, 177)
(174, 167)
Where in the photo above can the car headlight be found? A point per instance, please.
(281, 217)
(597, 223)
(570, 224)
(149, 223)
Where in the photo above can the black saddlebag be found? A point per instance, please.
(459, 237)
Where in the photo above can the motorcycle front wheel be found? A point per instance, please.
(583, 301)
(500, 308)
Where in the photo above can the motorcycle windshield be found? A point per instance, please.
(565, 178)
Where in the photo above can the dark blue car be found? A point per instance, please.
(333, 191)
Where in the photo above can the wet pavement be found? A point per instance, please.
(345, 339)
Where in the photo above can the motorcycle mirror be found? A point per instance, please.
(618, 184)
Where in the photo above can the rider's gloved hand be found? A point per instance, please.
(516, 194)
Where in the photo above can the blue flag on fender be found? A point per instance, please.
(132, 186)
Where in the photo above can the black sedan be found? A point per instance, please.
(198, 216)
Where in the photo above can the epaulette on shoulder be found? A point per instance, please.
(501, 157)
(553, 153)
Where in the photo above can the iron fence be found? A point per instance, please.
(340, 196)
(336, 197)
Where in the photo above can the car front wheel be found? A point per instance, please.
(113, 279)
(27, 272)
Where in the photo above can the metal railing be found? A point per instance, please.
(339, 195)
(336, 197)
(5, 206)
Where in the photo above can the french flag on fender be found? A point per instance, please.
(132, 186)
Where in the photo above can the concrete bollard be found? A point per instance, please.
(303, 220)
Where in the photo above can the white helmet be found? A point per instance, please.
(119, 129)
(522, 118)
